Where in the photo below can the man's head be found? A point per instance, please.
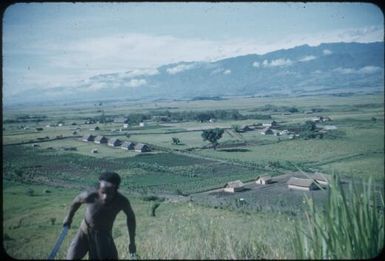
(108, 185)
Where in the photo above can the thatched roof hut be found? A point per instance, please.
(128, 145)
(302, 184)
(264, 180)
(101, 139)
(234, 186)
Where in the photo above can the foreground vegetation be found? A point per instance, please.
(351, 225)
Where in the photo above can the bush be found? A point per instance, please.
(350, 227)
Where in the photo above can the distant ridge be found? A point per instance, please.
(326, 68)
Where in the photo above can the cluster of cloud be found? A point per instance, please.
(180, 68)
(287, 62)
(363, 70)
(85, 57)
(307, 58)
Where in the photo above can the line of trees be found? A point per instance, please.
(180, 116)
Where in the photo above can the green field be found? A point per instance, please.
(182, 228)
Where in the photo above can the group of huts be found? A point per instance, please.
(315, 182)
(115, 142)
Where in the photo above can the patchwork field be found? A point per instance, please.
(182, 176)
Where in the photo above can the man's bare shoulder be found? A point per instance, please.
(122, 199)
(88, 196)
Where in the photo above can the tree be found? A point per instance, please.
(175, 141)
(213, 135)
(236, 128)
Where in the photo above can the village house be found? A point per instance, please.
(284, 132)
(302, 184)
(101, 140)
(321, 119)
(140, 147)
(234, 186)
(329, 127)
(142, 124)
(128, 145)
(267, 131)
(245, 128)
(125, 125)
(88, 137)
(114, 142)
(321, 179)
(270, 124)
(120, 120)
(264, 180)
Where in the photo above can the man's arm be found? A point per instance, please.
(131, 225)
(76, 203)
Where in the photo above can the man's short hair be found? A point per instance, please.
(111, 177)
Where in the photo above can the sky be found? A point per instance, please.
(46, 45)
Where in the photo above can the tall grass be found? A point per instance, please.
(351, 226)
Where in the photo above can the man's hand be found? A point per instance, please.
(132, 248)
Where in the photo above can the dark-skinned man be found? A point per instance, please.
(95, 233)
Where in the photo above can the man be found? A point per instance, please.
(95, 233)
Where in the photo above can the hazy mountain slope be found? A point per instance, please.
(335, 67)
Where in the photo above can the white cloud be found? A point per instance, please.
(180, 68)
(307, 58)
(137, 82)
(265, 63)
(140, 72)
(370, 69)
(363, 70)
(256, 64)
(280, 62)
(327, 52)
(85, 57)
(227, 72)
(344, 70)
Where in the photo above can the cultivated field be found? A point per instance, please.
(46, 163)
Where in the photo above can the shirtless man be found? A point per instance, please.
(95, 233)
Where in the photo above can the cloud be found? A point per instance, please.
(370, 69)
(85, 57)
(364, 70)
(277, 62)
(265, 63)
(307, 58)
(344, 70)
(180, 68)
(227, 72)
(327, 52)
(141, 72)
(256, 64)
(137, 82)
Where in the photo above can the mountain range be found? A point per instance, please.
(326, 68)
